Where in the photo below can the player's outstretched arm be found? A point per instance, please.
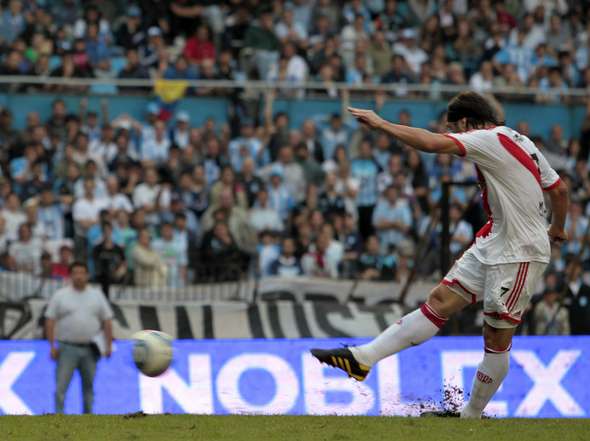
(418, 138)
(559, 204)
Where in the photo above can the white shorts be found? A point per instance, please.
(504, 288)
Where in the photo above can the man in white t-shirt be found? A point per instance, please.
(79, 329)
(105, 146)
(86, 209)
(13, 215)
(263, 216)
(508, 257)
(115, 200)
(409, 49)
(146, 194)
(26, 251)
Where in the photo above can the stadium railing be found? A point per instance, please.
(429, 91)
(18, 287)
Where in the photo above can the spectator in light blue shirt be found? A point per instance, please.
(356, 73)
(542, 58)
(247, 145)
(186, 224)
(156, 149)
(445, 168)
(268, 251)
(392, 219)
(51, 215)
(181, 71)
(576, 226)
(553, 86)
(354, 8)
(174, 253)
(365, 170)
(12, 22)
(518, 54)
(20, 168)
(96, 44)
(94, 235)
(187, 229)
(279, 198)
(336, 133)
(212, 169)
(461, 231)
(20, 165)
(383, 151)
(213, 161)
(91, 172)
(180, 133)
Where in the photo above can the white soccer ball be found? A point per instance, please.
(152, 352)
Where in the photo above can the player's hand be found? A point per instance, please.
(108, 352)
(367, 117)
(557, 236)
(54, 353)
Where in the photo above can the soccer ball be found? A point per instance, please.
(152, 352)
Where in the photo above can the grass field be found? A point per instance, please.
(300, 428)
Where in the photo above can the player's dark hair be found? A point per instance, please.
(474, 107)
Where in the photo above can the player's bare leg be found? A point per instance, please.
(491, 371)
(411, 330)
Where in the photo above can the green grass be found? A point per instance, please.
(259, 428)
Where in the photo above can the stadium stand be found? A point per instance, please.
(169, 199)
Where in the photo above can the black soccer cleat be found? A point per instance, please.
(342, 359)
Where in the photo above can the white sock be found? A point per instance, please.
(490, 374)
(411, 330)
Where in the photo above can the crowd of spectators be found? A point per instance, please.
(156, 202)
(169, 202)
(166, 205)
(481, 43)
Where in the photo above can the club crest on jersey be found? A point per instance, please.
(517, 137)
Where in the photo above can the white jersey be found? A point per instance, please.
(513, 175)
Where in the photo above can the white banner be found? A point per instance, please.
(226, 320)
(15, 287)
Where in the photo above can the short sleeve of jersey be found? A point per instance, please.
(549, 177)
(476, 145)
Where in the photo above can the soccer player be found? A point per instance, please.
(508, 257)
